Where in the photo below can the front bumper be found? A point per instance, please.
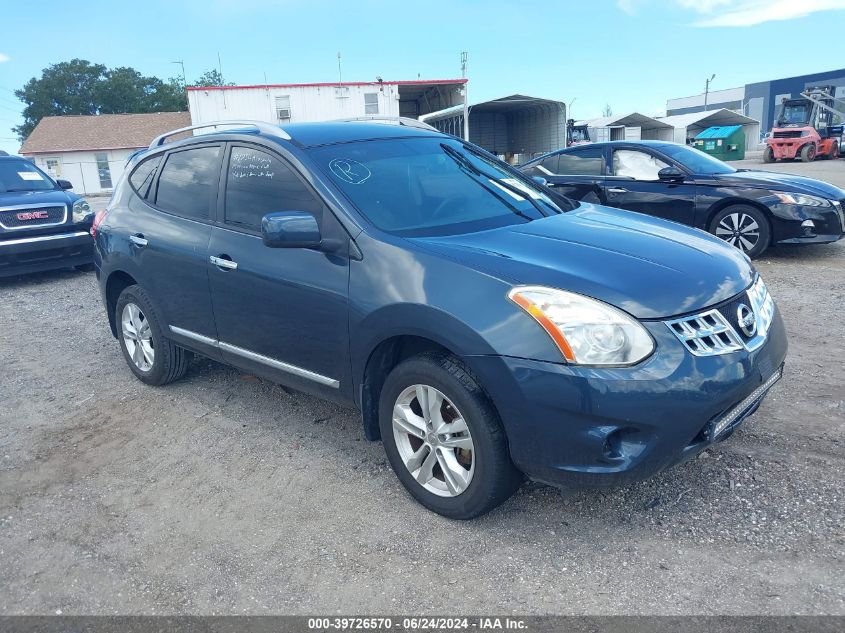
(580, 426)
(28, 254)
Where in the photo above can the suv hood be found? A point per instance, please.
(650, 268)
(782, 182)
(46, 197)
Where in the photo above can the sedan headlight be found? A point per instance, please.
(81, 211)
(586, 331)
(802, 199)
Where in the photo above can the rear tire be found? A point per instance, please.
(744, 227)
(834, 152)
(153, 358)
(768, 155)
(808, 153)
(485, 477)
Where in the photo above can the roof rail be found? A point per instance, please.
(398, 120)
(261, 126)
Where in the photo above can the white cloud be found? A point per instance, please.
(3, 58)
(743, 12)
(751, 12)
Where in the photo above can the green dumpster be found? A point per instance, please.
(725, 142)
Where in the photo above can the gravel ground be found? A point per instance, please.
(224, 494)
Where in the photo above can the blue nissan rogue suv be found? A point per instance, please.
(486, 327)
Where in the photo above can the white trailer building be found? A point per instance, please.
(292, 103)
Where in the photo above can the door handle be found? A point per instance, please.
(617, 190)
(223, 262)
(138, 239)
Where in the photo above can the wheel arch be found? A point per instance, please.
(116, 283)
(720, 205)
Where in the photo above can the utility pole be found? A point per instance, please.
(339, 72)
(464, 55)
(182, 64)
(566, 137)
(707, 89)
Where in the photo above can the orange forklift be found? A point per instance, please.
(807, 128)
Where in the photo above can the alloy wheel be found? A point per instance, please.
(137, 336)
(740, 230)
(433, 440)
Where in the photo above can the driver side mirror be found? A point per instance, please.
(670, 174)
(64, 184)
(290, 229)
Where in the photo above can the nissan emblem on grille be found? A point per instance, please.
(746, 319)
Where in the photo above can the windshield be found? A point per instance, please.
(433, 186)
(696, 161)
(796, 113)
(21, 175)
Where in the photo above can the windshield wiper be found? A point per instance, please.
(467, 164)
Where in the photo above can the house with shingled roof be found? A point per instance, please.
(91, 151)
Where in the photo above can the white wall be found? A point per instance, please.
(714, 96)
(80, 168)
(307, 103)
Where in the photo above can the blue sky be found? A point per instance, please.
(631, 54)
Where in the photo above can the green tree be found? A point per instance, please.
(80, 87)
(211, 77)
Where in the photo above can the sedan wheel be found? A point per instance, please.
(433, 440)
(740, 230)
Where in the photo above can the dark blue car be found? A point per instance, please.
(486, 327)
(42, 225)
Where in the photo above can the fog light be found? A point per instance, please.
(809, 228)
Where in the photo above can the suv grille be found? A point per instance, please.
(718, 331)
(25, 217)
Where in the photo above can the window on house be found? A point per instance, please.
(370, 103)
(103, 170)
(283, 108)
(54, 167)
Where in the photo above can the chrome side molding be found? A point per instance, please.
(258, 358)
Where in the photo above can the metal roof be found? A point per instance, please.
(721, 116)
(511, 103)
(633, 119)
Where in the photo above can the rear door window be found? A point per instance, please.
(188, 182)
(588, 161)
(258, 183)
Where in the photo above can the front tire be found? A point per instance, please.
(744, 227)
(768, 155)
(444, 439)
(153, 358)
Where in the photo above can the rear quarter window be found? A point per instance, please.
(144, 174)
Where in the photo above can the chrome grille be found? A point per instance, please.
(713, 332)
(706, 334)
(26, 216)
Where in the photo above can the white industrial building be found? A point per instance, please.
(91, 151)
(292, 103)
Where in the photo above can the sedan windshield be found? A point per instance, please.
(21, 175)
(433, 186)
(696, 161)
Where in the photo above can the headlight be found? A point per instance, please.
(81, 211)
(802, 199)
(586, 331)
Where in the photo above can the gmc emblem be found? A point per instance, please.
(33, 215)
